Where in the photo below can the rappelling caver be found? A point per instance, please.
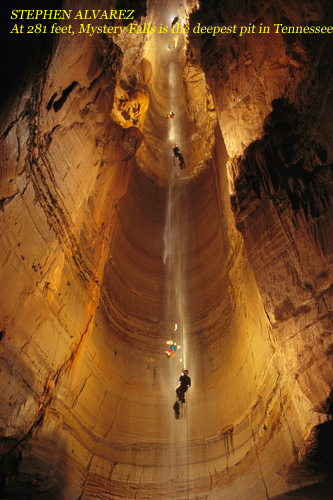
(184, 384)
(177, 154)
(182, 387)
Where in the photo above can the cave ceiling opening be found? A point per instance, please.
(113, 244)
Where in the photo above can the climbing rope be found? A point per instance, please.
(178, 215)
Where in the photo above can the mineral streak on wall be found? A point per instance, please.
(85, 161)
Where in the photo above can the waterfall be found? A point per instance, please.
(174, 251)
(174, 229)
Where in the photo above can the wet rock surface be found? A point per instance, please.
(88, 294)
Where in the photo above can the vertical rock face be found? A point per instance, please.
(282, 183)
(289, 195)
(108, 249)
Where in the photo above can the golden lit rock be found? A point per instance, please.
(129, 108)
(109, 249)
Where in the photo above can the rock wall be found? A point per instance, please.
(274, 110)
(64, 170)
(85, 310)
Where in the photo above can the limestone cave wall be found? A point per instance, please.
(108, 249)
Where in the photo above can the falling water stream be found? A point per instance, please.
(173, 258)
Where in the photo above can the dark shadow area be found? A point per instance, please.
(65, 93)
(26, 473)
(22, 51)
(318, 491)
(32, 466)
(317, 464)
(320, 457)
